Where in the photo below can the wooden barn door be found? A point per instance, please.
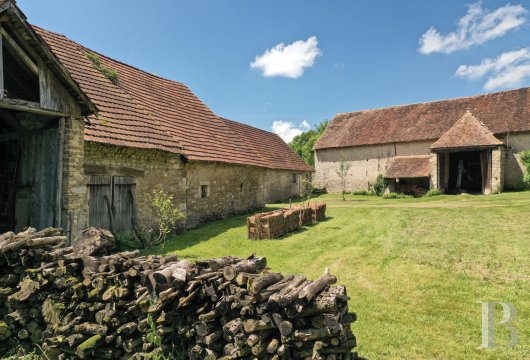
(123, 203)
(100, 203)
(112, 203)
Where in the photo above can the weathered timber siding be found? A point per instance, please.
(36, 193)
(366, 162)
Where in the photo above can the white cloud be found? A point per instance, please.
(288, 60)
(476, 27)
(507, 70)
(287, 130)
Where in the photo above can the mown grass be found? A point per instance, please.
(414, 268)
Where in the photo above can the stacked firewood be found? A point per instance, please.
(276, 223)
(79, 302)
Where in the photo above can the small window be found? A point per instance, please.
(241, 187)
(204, 191)
(295, 178)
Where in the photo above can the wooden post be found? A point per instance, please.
(60, 172)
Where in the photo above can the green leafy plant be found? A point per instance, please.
(380, 185)
(433, 192)
(168, 214)
(342, 173)
(168, 221)
(525, 159)
(362, 192)
(153, 337)
(396, 196)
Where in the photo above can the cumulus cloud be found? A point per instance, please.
(476, 27)
(507, 70)
(287, 130)
(288, 60)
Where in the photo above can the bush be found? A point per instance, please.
(362, 192)
(396, 196)
(380, 185)
(525, 159)
(168, 216)
(433, 192)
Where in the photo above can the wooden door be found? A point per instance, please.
(123, 203)
(112, 203)
(100, 201)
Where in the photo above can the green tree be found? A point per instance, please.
(303, 144)
(342, 172)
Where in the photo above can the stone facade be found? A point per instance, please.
(513, 167)
(152, 170)
(234, 189)
(203, 190)
(74, 214)
(365, 163)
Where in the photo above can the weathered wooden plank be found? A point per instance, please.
(113, 170)
(29, 106)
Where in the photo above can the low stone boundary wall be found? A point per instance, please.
(80, 302)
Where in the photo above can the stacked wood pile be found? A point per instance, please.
(318, 211)
(79, 302)
(274, 224)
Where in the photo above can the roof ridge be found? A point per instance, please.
(428, 102)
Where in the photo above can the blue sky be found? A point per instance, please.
(338, 56)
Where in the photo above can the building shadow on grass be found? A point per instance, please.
(205, 231)
(215, 228)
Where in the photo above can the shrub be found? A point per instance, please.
(380, 185)
(167, 213)
(168, 216)
(525, 159)
(433, 192)
(396, 196)
(362, 192)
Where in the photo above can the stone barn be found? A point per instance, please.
(470, 144)
(84, 139)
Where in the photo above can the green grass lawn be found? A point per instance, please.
(414, 268)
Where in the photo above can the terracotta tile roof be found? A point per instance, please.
(408, 167)
(500, 112)
(467, 132)
(145, 111)
(270, 150)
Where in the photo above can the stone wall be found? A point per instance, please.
(365, 162)
(230, 189)
(279, 185)
(234, 189)
(513, 167)
(204, 190)
(74, 214)
(152, 170)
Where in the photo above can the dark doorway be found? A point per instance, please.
(9, 153)
(465, 172)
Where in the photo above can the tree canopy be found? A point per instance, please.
(303, 144)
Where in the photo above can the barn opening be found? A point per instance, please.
(30, 158)
(465, 171)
